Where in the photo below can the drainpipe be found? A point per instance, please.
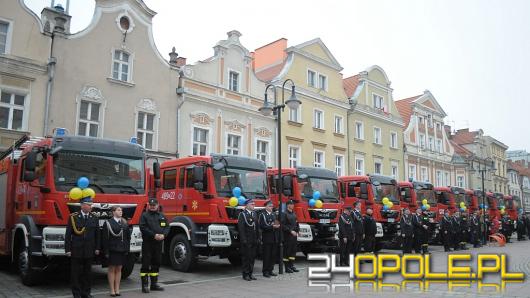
(52, 61)
(180, 93)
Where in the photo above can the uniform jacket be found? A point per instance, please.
(346, 227)
(152, 223)
(268, 232)
(358, 224)
(370, 228)
(115, 237)
(84, 244)
(247, 224)
(289, 222)
(406, 225)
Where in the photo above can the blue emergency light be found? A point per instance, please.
(133, 140)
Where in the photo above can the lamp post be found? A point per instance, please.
(269, 109)
(483, 173)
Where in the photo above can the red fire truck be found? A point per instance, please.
(35, 177)
(416, 192)
(370, 191)
(512, 205)
(449, 197)
(318, 226)
(194, 195)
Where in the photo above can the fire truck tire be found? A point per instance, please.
(181, 254)
(129, 266)
(24, 261)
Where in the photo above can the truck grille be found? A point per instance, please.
(102, 210)
(323, 214)
(389, 213)
(430, 214)
(232, 212)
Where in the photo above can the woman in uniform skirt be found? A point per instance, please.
(116, 239)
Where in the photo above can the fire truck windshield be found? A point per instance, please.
(500, 202)
(327, 188)
(426, 194)
(460, 198)
(253, 182)
(107, 173)
(385, 190)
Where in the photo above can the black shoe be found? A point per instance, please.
(252, 277)
(266, 275)
(246, 278)
(154, 284)
(112, 295)
(118, 294)
(288, 270)
(273, 274)
(294, 269)
(145, 284)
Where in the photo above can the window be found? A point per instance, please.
(377, 135)
(429, 120)
(170, 179)
(394, 172)
(233, 144)
(438, 126)
(412, 172)
(294, 115)
(431, 143)
(359, 130)
(439, 147)
(420, 120)
(294, 157)
(322, 82)
(439, 181)
(262, 148)
(88, 119)
(233, 81)
(318, 119)
(311, 78)
(3, 37)
(145, 129)
(200, 141)
(339, 165)
(181, 177)
(338, 124)
(378, 102)
(12, 110)
(120, 68)
(423, 174)
(446, 179)
(393, 140)
(422, 141)
(189, 178)
(378, 168)
(319, 159)
(359, 166)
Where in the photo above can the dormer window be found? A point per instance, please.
(378, 102)
(233, 81)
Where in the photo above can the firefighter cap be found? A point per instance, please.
(268, 203)
(290, 202)
(87, 200)
(249, 201)
(153, 202)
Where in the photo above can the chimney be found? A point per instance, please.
(56, 19)
(181, 61)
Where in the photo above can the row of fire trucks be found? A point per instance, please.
(194, 193)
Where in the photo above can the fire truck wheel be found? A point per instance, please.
(29, 275)
(181, 254)
(129, 266)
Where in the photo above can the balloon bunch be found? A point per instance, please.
(82, 190)
(503, 210)
(387, 204)
(482, 206)
(237, 198)
(315, 201)
(425, 205)
(463, 207)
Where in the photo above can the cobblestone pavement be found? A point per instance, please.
(217, 278)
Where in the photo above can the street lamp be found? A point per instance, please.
(267, 110)
(483, 173)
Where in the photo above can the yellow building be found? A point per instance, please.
(315, 133)
(375, 126)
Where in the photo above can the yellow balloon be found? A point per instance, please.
(390, 204)
(424, 201)
(502, 211)
(462, 204)
(318, 204)
(75, 193)
(89, 192)
(428, 206)
(385, 200)
(233, 202)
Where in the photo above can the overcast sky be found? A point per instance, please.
(472, 55)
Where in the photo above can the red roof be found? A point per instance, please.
(350, 84)
(460, 150)
(523, 171)
(404, 107)
(464, 136)
(267, 74)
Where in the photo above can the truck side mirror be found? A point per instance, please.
(351, 190)
(156, 174)
(29, 162)
(364, 191)
(287, 185)
(198, 178)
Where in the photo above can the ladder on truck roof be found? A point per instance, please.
(19, 145)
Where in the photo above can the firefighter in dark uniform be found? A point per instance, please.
(269, 226)
(407, 231)
(527, 220)
(370, 229)
(474, 224)
(521, 226)
(358, 227)
(346, 236)
(506, 227)
(247, 225)
(464, 230)
(421, 232)
(154, 228)
(81, 244)
(446, 230)
(290, 231)
(455, 219)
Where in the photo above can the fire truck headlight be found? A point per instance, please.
(54, 237)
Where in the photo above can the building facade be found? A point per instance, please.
(428, 150)
(315, 133)
(219, 112)
(519, 155)
(497, 153)
(375, 127)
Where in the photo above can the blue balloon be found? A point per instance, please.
(385, 207)
(236, 192)
(481, 206)
(241, 200)
(486, 206)
(83, 182)
(316, 195)
(312, 203)
(462, 209)
(423, 207)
